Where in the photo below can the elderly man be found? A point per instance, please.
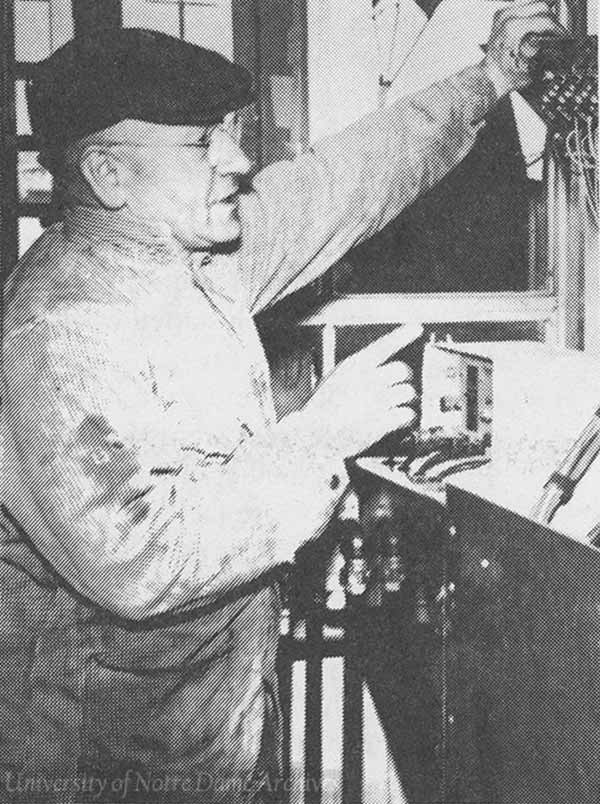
(148, 492)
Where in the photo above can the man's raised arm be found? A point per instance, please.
(307, 213)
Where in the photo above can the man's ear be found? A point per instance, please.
(103, 174)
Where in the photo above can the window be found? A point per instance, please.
(34, 181)
(40, 28)
(158, 15)
(210, 25)
(204, 22)
(33, 30)
(23, 124)
(29, 231)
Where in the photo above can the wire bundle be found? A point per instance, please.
(581, 146)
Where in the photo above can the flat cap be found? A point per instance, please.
(94, 82)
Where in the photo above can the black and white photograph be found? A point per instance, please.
(299, 402)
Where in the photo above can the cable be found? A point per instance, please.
(590, 135)
(385, 69)
(581, 158)
(374, 16)
(592, 140)
(561, 484)
(591, 197)
(410, 51)
(393, 42)
(535, 160)
(586, 165)
(585, 160)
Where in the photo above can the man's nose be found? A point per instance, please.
(226, 156)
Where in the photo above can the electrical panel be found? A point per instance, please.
(564, 91)
(457, 389)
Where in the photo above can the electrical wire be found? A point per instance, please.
(393, 42)
(587, 144)
(591, 195)
(581, 147)
(411, 50)
(534, 160)
(386, 67)
(377, 13)
(575, 151)
(587, 165)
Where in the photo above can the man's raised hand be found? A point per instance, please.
(514, 40)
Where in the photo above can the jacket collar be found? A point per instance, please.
(121, 230)
(145, 243)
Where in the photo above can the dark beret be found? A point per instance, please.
(92, 83)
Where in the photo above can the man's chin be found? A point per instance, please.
(224, 229)
(219, 237)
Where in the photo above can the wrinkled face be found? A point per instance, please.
(184, 177)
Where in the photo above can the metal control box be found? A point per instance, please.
(457, 393)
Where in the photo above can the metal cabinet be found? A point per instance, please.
(483, 662)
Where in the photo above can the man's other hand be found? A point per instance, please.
(514, 41)
(365, 397)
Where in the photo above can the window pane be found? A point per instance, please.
(32, 30)
(29, 231)
(35, 183)
(61, 23)
(23, 124)
(158, 15)
(41, 26)
(210, 26)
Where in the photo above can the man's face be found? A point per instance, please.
(184, 177)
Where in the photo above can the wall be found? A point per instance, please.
(342, 64)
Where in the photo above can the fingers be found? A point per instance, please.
(530, 41)
(523, 38)
(402, 417)
(514, 41)
(394, 372)
(523, 11)
(535, 26)
(402, 394)
(392, 385)
(524, 18)
(383, 348)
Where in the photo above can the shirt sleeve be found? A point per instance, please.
(132, 519)
(305, 214)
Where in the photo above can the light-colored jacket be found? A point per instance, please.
(142, 458)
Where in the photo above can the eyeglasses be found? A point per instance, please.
(231, 125)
